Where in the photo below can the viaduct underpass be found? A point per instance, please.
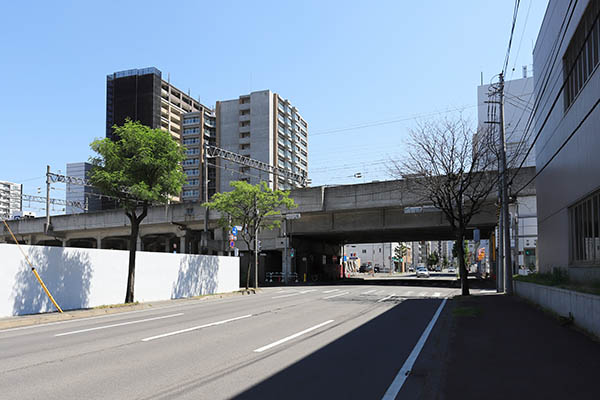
(331, 216)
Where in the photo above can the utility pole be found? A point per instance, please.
(205, 187)
(505, 212)
(47, 227)
(256, 245)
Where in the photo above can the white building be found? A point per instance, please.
(10, 199)
(375, 254)
(265, 127)
(518, 105)
(567, 161)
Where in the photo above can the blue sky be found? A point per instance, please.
(342, 63)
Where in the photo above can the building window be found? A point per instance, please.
(581, 57)
(244, 135)
(192, 152)
(194, 120)
(191, 131)
(245, 112)
(584, 236)
(364, 251)
(245, 123)
(244, 146)
(245, 100)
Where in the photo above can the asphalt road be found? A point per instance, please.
(321, 342)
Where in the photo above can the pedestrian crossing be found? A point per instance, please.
(379, 295)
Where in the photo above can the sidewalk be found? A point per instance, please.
(501, 347)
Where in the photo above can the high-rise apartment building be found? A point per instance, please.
(10, 199)
(266, 127)
(84, 195)
(142, 95)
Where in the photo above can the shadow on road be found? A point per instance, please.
(359, 365)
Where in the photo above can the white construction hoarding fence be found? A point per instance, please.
(82, 278)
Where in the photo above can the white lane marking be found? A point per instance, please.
(295, 335)
(385, 298)
(308, 291)
(97, 328)
(402, 375)
(368, 291)
(200, 302)
(437, 294)
(195, 328)
(409, 293)
(285, 295)
(487, 291)
(422, 294)
(330, 291)
(336, 295)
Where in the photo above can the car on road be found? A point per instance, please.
(365, 268)
(422, 272)
(411, 269)
(452, 269)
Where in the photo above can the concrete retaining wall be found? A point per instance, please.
(79, 278)
(584, 307)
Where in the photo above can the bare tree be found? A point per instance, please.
(451, 167)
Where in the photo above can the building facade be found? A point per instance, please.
(10, 199)
(265, 127)
(142, 95)
(374, 254)
(85, 195)
(568, 185)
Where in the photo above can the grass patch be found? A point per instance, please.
(465, 311)
(135, 303)
(560, 279)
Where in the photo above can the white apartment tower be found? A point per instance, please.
(265, 127)
(10, 199)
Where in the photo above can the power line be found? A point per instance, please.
(561, 146)
(387, 122)
(565, 80)
(512, 30)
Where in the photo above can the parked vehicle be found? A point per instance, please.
(452, 269)
(411, 269)
(365, 268)
(422, 272)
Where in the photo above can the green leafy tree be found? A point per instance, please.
(142, 166)
(433, 259)
(400, 253)
(253, 207)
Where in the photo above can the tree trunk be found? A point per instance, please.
(135, 228)
(248, 275)
(460, 249)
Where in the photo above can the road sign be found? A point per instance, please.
(234, 231)
(232, 237)
(292, 216)
(232, 244)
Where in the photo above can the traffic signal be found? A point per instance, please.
(292, 252)
(258, 245)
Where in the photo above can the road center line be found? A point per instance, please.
(119, 324)
(367, 292)
(402, 375)
(308, 291)
(385, 298)
(330, 291)
(408, 293)
(285, 295)
(295, 335)
(195, 328)
(336, 295)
